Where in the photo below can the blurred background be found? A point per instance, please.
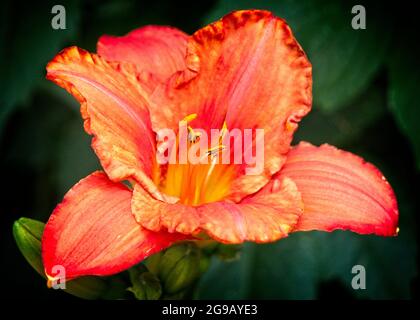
(365, 101)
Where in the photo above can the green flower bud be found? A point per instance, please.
(145, 285)
(28, 234)
(180, 295)
(179, 267)
(208, 247)
(152, 263)
(226, 252)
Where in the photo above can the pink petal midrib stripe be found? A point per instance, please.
(316, 180)
(120, 102)
(323, 167)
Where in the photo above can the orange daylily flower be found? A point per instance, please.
(243, 71)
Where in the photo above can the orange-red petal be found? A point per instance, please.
(114, 109)
(93, 232)
(341, 191)
(249, 70)
(158, 50)
(264, 217)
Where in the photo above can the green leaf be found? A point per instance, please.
(23, 56)
(347, 125)
(404, 78)
(28, 233)
(228, 252)
(75, 159)
(36, 138)
(293, 268)
(344, 60)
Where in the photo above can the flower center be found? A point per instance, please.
(198, 181)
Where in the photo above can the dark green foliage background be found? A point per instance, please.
(365, 101)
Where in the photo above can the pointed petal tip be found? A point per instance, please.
(341, 191)
(93, 232)
(113, 105)
(50, 280)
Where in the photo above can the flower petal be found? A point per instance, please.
(264, 217)
(93, 232)
(157, 50)
(247, 69)
(115, 112)
(341, 191)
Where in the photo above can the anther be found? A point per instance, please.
(190, 117)
(215, 150)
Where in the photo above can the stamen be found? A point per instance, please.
(190, 183)
(189, 118)
(215, 150)
(192, 135)
(223, 131)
